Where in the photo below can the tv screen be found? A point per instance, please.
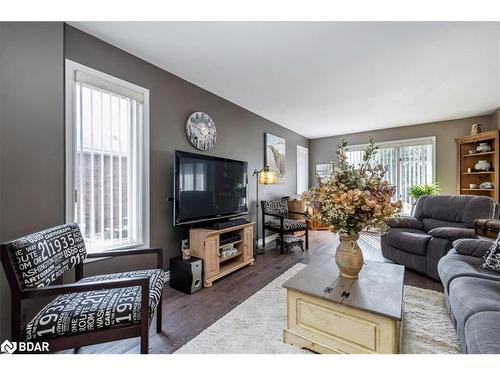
(207, 187)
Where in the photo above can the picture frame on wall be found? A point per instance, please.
(275, 155)
(324, 170)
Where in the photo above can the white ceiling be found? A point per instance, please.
(327, 78)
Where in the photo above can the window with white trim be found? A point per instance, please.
(107, 159)
(409, 163)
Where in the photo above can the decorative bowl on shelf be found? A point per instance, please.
(486, 185)
(472, 186)
(483, 147)
(482, 165)
(472, 152)
(228, 252)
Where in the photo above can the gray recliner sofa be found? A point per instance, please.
(472, 296)
(420, 241)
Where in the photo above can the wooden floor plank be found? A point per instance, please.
(185, 316)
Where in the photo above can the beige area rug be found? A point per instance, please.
(256, 325)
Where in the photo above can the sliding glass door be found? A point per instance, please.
(408, 163)
(416, 168)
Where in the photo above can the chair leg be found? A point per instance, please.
(263, 236)
(145, 323)
(145, 338)
(282, 238)
(159, 314)
(15, 318)
(307, 238)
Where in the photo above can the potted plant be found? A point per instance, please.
(351, 199)
(419, 190)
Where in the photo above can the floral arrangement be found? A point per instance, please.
(354, 197)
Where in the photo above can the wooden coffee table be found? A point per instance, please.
(328, 313)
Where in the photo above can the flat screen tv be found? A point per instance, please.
(208, 188)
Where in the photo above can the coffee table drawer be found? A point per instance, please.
(327, 327)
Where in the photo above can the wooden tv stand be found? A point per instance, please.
(204, 243)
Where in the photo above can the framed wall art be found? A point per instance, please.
(275, 156)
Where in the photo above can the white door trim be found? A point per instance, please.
(299, 149)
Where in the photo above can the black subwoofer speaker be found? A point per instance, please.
(186, 274)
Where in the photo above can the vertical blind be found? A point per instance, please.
(416, 169)
(108, 148)
(407, 165)
(302, 169)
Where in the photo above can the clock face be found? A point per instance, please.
(201, 131)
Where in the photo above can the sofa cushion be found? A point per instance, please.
(470, 295)
(430, 224)
(452, 233)
(482, 333)
(473, 247)
(455, 265)
(454, 208)
(404, 222)
(288, 224)
(90, 311)
(410, 240)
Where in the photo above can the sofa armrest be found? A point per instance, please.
(452, 233)
(472, 247)
(487, 227)
(404, 222)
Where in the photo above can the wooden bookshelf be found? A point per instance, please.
(468, 160)
(478, 154)
(485, 172)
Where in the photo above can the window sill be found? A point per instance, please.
(124, 247)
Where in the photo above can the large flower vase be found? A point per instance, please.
(349, 257)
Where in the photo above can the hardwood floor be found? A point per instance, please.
(184, 316)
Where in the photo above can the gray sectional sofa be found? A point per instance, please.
(472, 295)
(420, 241)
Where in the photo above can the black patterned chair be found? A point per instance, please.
(275, 219)
(92, 310)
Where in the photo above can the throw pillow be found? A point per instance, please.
(493, 246)
(492, 257)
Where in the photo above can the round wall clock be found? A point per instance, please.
(201, 131)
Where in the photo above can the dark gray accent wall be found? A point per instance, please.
(322, 150)
(31, 135)
(240, 133)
